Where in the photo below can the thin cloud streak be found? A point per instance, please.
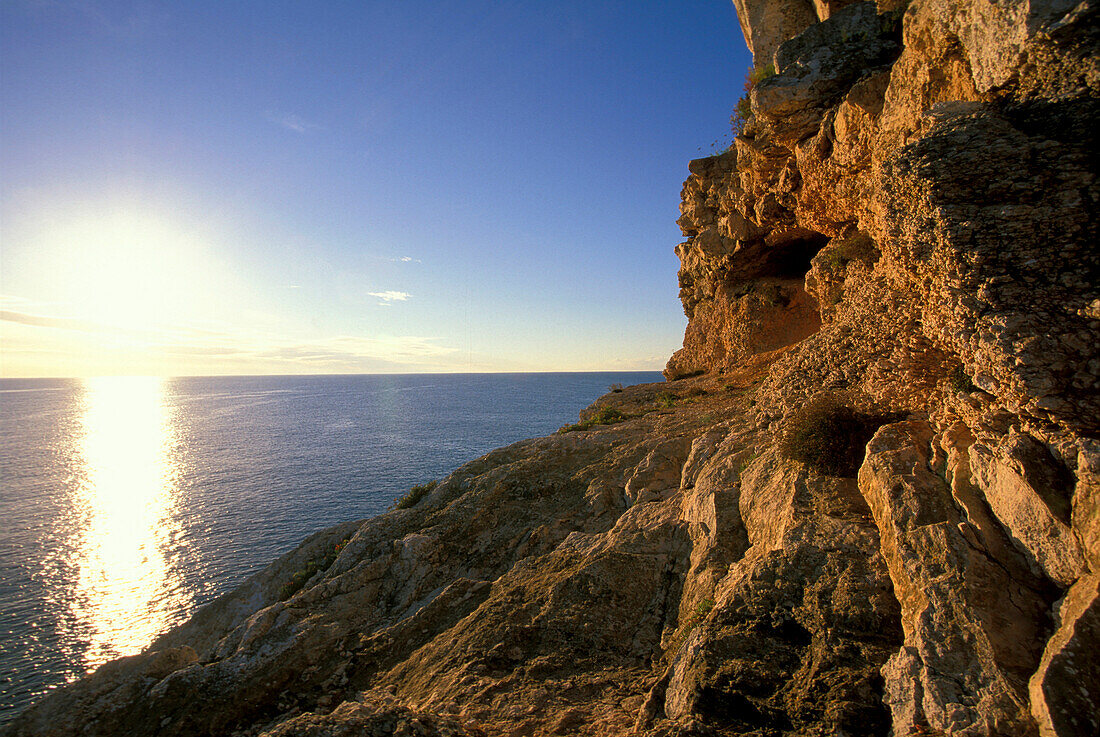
(229, 348)
(80, 325)
(389, 297)
(42, 321)
(291, 122)
(400, 259)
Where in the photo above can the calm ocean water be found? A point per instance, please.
(128, 502)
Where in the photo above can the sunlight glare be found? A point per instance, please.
(129, 268)
(125, 593)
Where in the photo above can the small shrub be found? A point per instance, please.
(765, 293)
(717, 147)
(770, 295)
(830, 436)
(415, 494)
(742, 111)
(607, 416)
(702, 609)
(758, 75)
(615, 388)
(310, 569)
(746, 462)
(834, 261)
(960, 382)
(603, 416)
(890, 22)
(666, 399)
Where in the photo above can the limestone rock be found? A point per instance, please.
(1031, 502)
(372, 719)
(800, 624)
(768, 23)
(972, 627)
(1065, 690)
(660, 471)
(958, 160)
(1086, 501)
(815, 67)
(95, 704)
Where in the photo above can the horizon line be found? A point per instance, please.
(374, 373)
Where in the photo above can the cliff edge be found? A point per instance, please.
(866, 502)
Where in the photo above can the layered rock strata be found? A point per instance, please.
(905, 231)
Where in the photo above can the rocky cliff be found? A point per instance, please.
(866, 502)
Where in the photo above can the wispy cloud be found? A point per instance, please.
(403, 347)
(399, 259)
(45, 321)
(203, 350)
(344, 351)
(40, 329)
(73, 324)
(389, 297)
(291, 122)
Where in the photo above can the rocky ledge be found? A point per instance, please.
(866, 502)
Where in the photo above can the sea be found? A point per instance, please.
(128, 502)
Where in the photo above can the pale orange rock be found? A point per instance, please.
(1065, 690)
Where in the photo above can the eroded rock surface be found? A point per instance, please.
(638, 576)
(905, 229)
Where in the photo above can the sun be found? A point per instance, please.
(121, 289)
(127, 268)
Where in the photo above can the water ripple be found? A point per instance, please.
(127, 503)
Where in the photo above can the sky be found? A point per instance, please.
(266, 187)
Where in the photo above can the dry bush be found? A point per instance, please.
(829, 434)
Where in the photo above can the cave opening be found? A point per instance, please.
(791, 259)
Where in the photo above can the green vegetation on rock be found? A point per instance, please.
(603, 416)
(415, 494)
(829, 435)
(310, 569)
(743, 109)
(960, 382)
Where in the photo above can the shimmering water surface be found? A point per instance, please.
(125, 503)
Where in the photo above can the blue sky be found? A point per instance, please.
(277, 187)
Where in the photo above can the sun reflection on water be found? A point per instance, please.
(126, 593)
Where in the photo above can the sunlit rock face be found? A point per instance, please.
(978, 210)
(902, 239)
(943, 155)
